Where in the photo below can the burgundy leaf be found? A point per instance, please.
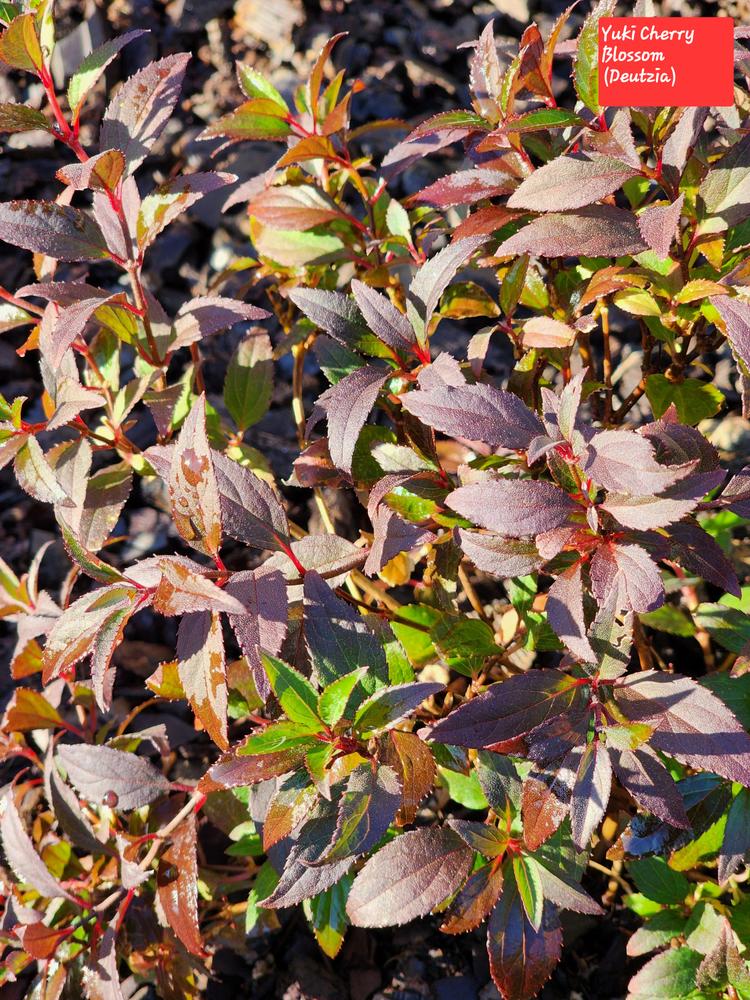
(264, 622)
(201, 667)
(681, 141)
(590, 795)
(333, 312)
(736, 316)
(698, 553)
(232, 771)
(382, 317)
(393, 535)
(724, 189)
(141, 108)
(433, 278)
(475, 901)
(477, 412)
(408, 877)
(250, 510)
(624, 462)
(659, 224)
(735, 846)
(101, 980)
(571, 182)
(48, 228)
(545, 800)
(177, 885)
(170, 200)
(100, 172)
(97, 771)
(21, 854)
(596, 231)
(67, 809)
(643, 775)
(508, 709)
(180, 586)
(193, 489)
(347, 405)
(565, 613)
(691, 724)
(724, 965)
(366, 809)
(498, 556)
(412, 760)
(465, 187)
(646, 513)
(629, 569)
(206, 315)
(514, 507)
(521, 958)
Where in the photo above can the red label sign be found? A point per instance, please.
(679, 62)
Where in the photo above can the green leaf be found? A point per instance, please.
(92, 67)
(258, 118)
(658, 881)
(326, 914)
(282, 735)
(333, 700)
(265, 882)
(20, 118)
(693, 399)
(669, 618)
(296, 694)
(19, 45)
(668, 976)
(727, 626)
(464, 788)
(254, 84)
(249, 381)
(586, 76)
(511, 288)
(543, 118)
(733, 691)
(530, 890)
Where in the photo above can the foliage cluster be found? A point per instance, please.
(463, 706)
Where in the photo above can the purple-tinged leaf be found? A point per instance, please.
(92, 67)
(736, 316)
(698, 553)
(99, 173)
(477, 412)
(624, 462)
(333, 312)
(48, 228)
(295, 207)
(449, 121)
(630, 570)
(21, 118)
(207, 315)
(95, 771)
(141, 108)
(680, 142)
(659, 224)
(68, 814)
(735, 846)
(409, 877)
(725, 187)
(177, 885)
(644, 776)
(521, 958)
(571, 182)
(590, 795)
(546, 799)
(432, 279)
(690, 723)
(465, 187)
(483, 837)
(514, 507)
(34, 473)
(383, 318)
(485, 75)
(547, 334)
(264, 621)
(366, 809)
(393, 535)
(250, 510)
(180, 586)
(21, 854)
(347, 405)
(171, 199)
(565, 894)
(565, 613)
(302, 878)
(596, 231)
(258, 118)
(498, 556)
(390, 705)
(231, 771)
(193, 491)
(337, 638)
(724, 966)
(475, 901)
(66, 325)
(201, 667)
(736, 494)
(508, 709)
(646, 513)
(412, 760)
